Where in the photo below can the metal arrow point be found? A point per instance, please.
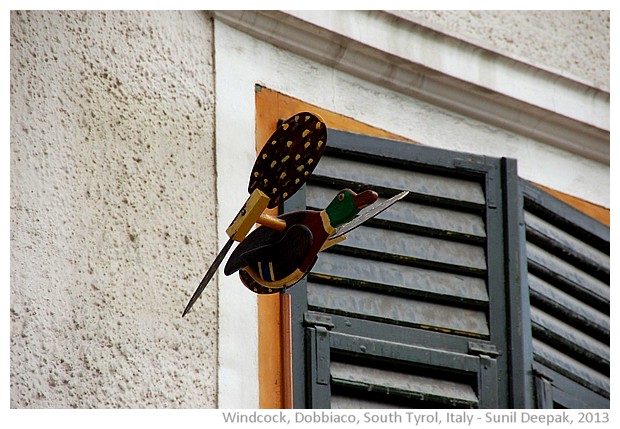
(210, 273)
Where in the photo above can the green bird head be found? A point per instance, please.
(347, 204)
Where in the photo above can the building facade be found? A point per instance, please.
(132, 137)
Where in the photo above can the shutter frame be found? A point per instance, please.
(485, 171)
(570, 305)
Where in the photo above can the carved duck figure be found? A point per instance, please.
(270, 261)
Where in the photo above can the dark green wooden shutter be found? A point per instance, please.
(568, 275)
(411, 310)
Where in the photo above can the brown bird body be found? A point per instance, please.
(270, 261)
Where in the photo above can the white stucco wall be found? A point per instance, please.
(112, 209)
(575, 42)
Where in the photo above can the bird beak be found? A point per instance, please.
(365, 199)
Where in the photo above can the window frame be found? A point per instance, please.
(275, 344)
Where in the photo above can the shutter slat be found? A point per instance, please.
(433, 186)
(571, 368)
(401, 279)
(417, 247)
(349, 400)
(568, 273)
(398, 310)
(402, 384)
(566, 246)
(569, 308)
(565, 337)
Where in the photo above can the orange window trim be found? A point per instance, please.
(599, 213)
(274, 349)
(274, 354)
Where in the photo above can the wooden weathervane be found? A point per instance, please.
(281, 251)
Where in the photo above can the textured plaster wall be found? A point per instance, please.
(575, 43)
(112, 209)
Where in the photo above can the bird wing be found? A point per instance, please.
(259, 238)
